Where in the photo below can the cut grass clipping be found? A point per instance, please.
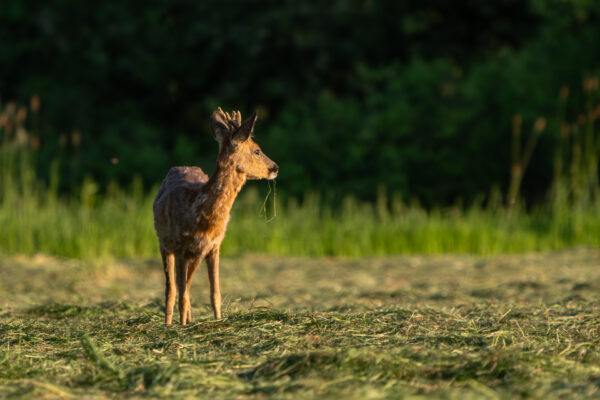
(263, 209)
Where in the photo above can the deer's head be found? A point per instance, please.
(237, 147)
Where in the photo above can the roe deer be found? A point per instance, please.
(191, 211)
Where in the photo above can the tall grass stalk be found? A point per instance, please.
(577, 152)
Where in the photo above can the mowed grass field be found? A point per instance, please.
(448, 326)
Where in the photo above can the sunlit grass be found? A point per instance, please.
(121, 225)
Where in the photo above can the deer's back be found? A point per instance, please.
(174, 214)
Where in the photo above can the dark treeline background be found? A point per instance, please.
(413, 96)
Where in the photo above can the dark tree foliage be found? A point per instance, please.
(416, 97)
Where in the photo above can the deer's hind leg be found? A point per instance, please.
(181, 266)
(191, 268)
(168, 260)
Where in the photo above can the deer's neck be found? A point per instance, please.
(218, 194)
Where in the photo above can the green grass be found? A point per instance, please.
(458, 327)
(120, 224)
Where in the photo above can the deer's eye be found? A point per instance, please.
(257, 152)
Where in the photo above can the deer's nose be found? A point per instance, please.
(274, 168)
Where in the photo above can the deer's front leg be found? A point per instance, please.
(212, 262)
(192, 267)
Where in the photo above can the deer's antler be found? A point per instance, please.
(234, 120)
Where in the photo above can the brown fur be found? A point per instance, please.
(191, 211)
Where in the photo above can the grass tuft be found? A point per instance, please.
(95, 356)
(293, 365)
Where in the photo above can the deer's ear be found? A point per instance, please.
(245, 130)
(219, 127)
